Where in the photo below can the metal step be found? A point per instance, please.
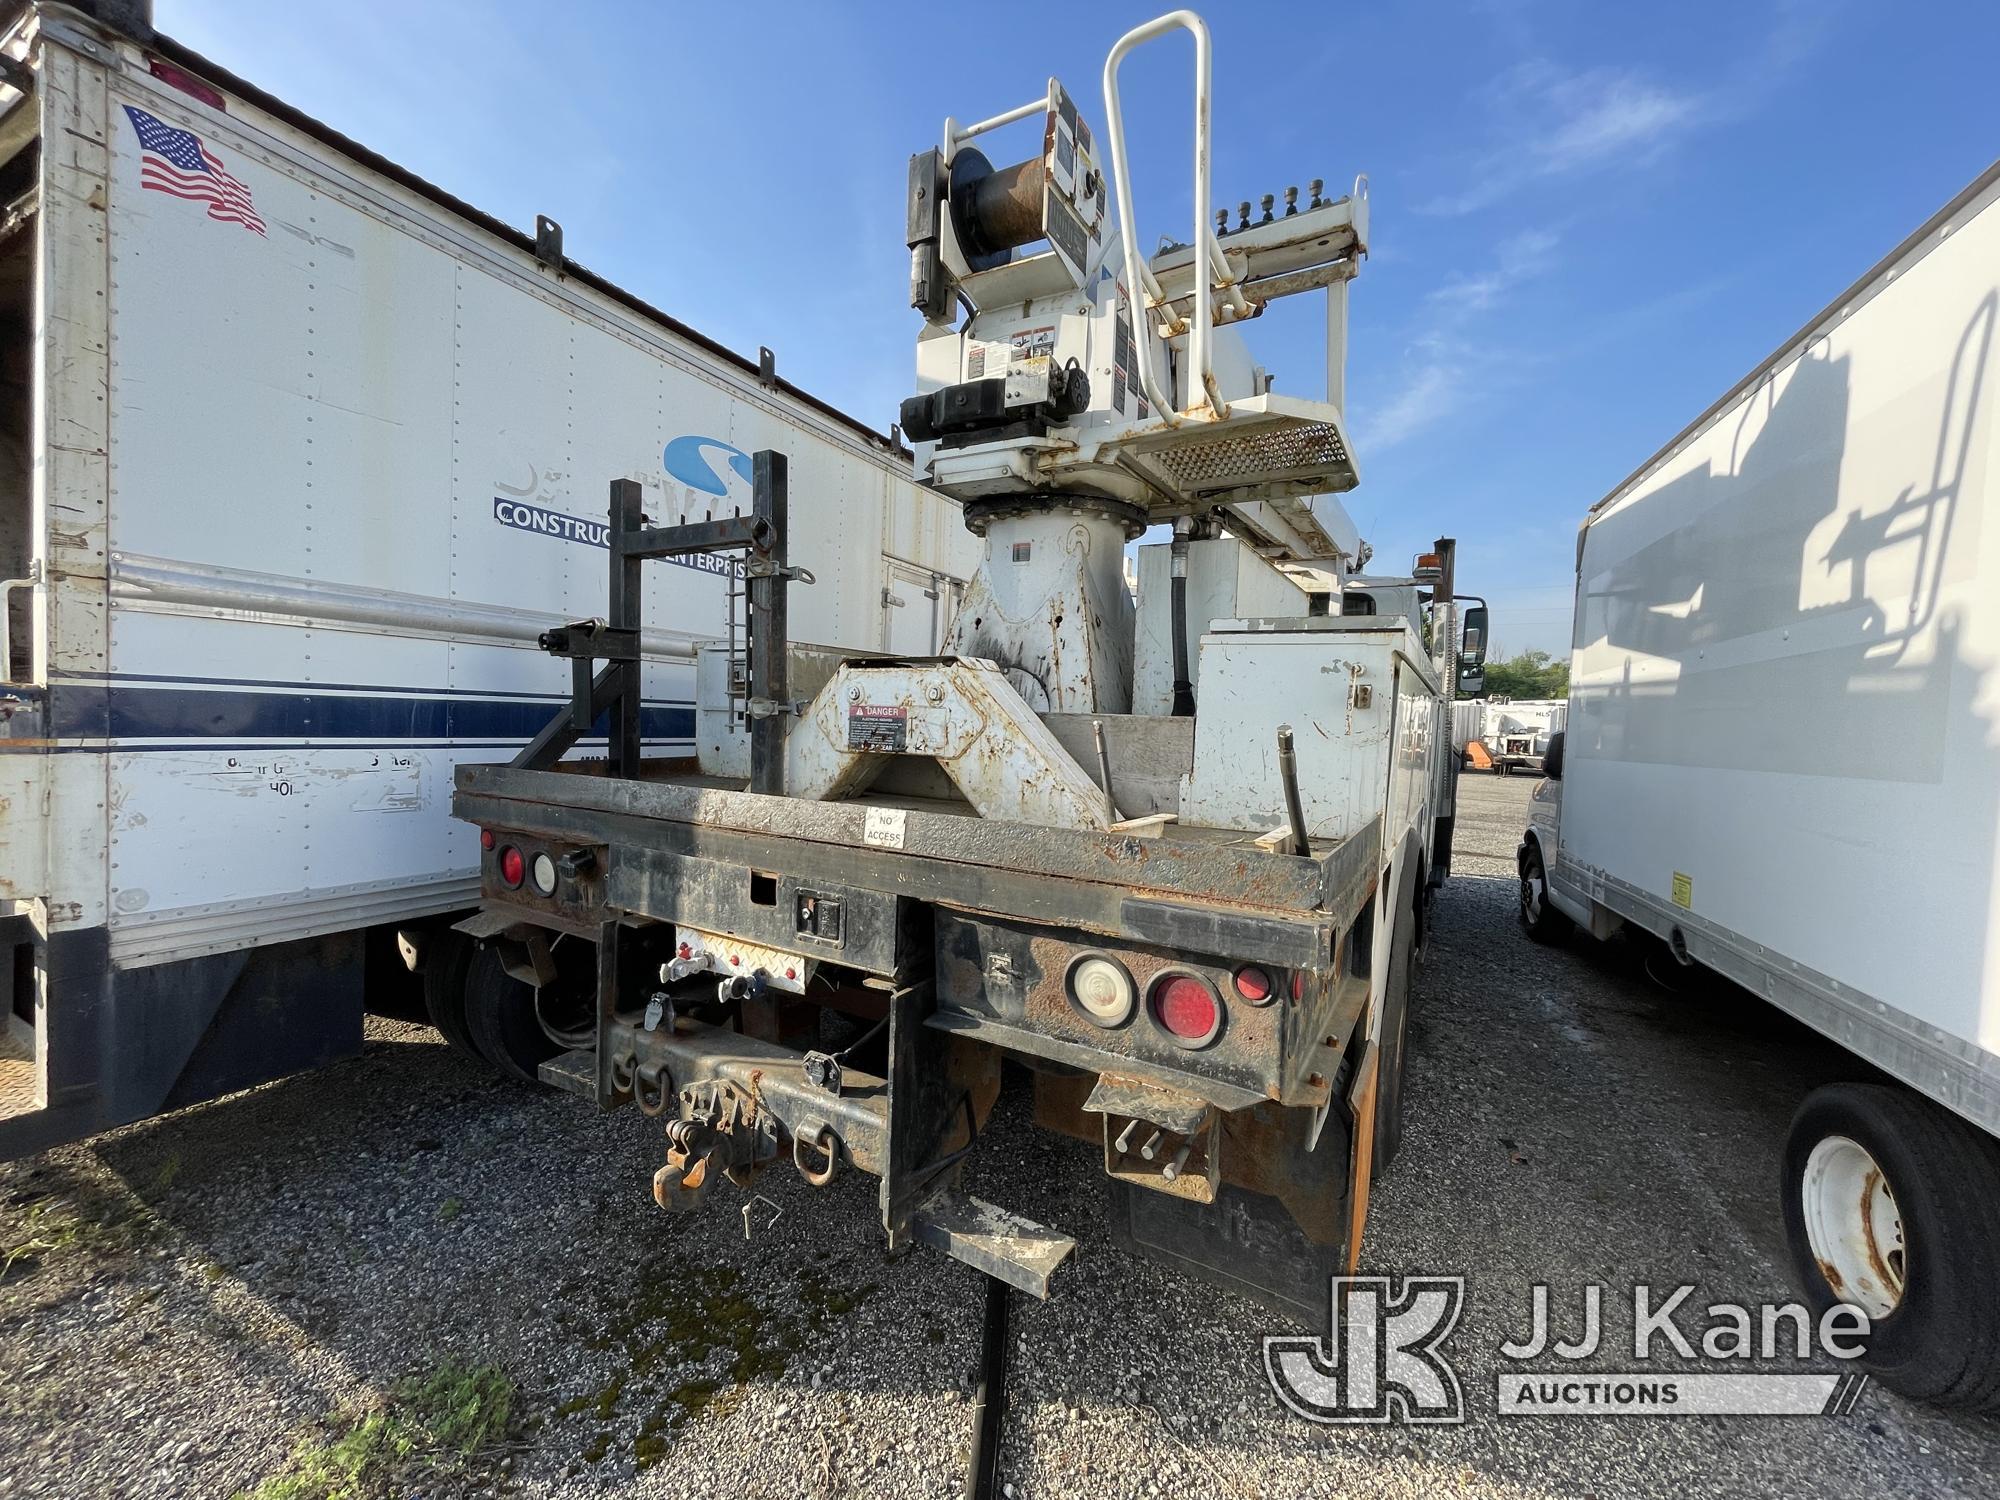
(1004, 1245)
(572, 1072)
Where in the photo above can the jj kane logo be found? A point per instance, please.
(1379, 1361)
(1383, 1357)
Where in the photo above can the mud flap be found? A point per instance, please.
(1280, 1248)
(1244, 1242)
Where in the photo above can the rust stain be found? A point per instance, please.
(1881, 1268)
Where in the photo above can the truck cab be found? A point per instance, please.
(1549, 912)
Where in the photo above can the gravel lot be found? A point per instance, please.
(215, 1283)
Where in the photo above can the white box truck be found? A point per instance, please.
(300, 457)
(1783, 760)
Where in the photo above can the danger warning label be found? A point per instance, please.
(878, 726)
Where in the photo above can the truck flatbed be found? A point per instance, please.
(1277, 908)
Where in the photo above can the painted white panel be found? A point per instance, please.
(373, 395)
(1786, 682)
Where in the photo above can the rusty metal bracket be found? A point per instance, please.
(820, 1136)
(652, 1088)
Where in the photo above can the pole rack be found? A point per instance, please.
(612, 692)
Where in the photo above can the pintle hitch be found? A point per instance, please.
(721, 1130)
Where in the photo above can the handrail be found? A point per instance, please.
(1138, 275)
(954, 136)
(7, 587)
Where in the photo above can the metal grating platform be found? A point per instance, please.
(18, 1094)
(1267, 446)
(1308, 449)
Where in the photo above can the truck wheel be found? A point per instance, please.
(500, 1014)
(1892, 1203)
(445, 967)
(1395, 1038)
(1539, 920)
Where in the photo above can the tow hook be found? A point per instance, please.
(652, 1089)
(823, 1140)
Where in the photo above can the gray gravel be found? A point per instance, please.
(263, 1259)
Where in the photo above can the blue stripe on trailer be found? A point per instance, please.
(121, 711)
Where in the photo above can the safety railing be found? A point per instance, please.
(1138, 275)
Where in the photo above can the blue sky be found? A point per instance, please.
(1589, 219)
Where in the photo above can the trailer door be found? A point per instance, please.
(915, 607)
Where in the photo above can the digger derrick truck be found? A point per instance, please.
(1174, 855)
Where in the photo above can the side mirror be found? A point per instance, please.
(1472, 653)
(1552, 758)
(1472, 642)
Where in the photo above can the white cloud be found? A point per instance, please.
(1446, 363)
(1430, 390)
(1602, 114)
(1515, 258)
(1557, 122)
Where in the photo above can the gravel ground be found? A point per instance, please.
(246, 1266)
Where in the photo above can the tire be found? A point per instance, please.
(1936, 1336)
(500, 1015)
(445, 969)
(1395, 1039)
(1539, 920)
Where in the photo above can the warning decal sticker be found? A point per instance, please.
(883, 727)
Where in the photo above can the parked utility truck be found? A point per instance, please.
(1516, 732)
(292, 477)
(1173, 856)
(1782, 761)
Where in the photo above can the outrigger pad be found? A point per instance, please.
(1243, 1242)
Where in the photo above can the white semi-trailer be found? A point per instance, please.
(300, 456)
(1782, 759)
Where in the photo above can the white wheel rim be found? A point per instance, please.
(1853, 1226)
(1531, 895)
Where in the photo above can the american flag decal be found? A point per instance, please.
(175, 162)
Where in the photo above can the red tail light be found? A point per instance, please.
(486, 838)
(1187, 1008)
(1253, 984)
(513, 868)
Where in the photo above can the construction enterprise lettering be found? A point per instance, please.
(525, 517)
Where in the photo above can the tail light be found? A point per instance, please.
(513, 868)
(486, 839)
(1254, 985)
(543, 868)
(1101, 989)
(1187, 1008)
